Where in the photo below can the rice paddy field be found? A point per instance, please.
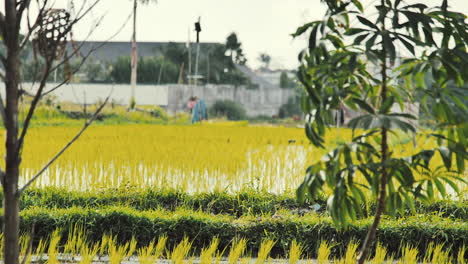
(200, 158)
(212, 193)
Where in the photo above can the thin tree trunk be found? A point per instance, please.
(371, 233)
(10, 182)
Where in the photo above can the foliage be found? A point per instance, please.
(200, 228)
(265, 59)
(291, 108)
(245, 202)
(334, 73)
(149, 70)
(95, 71)
(222, 156)
(229, 109)
(234, 46)
(286, 82)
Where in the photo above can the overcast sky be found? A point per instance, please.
(261, 25)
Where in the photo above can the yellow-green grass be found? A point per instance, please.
(116, 252)
(200, 158)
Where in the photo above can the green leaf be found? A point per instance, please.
(368, 23)
(358, 4)
(440, 187)
(352, 62)
(304, 28)
(301, 193)
(452, 184)
(370, 42)
(313, 39)
(403, 115)
(407, 45)
(360, 38)
(430, 190)
(354, 31)
(389, 46)
(446, 155)
(387, 105)
(364, 105)
(460, 162)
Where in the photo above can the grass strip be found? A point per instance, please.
(309, 230)
(248, 202)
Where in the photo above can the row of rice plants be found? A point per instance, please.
(247, 202)
(193, 159)
(76, 249)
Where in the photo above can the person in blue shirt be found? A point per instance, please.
(199, 112)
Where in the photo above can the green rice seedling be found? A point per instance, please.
(391, 258)
(440, 255)
(264, 251)
(1, 245)
(76, 240)
(237, 249)
(25, 241)
(146, 254)
(160, 247)
(206, 256)
(52, 252)
(351, 252)
(88, 253)
(117, 253)
(295, 252)
(132, 247)
(380, 254)
(338, 261)
(324, 252)
(461, 255)
(409, 255)
(104, 244)
(428, 253)
(181, 251)
(40, 250)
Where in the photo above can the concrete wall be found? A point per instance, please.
(262, 101)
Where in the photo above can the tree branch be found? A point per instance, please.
(47, 165)
(22, 6)
(93, 49)
(34, 25)
(33, 106)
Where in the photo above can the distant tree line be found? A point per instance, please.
(170, 64)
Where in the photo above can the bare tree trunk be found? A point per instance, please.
(10, 181)
(371, 233)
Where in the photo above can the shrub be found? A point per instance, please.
(158, 112)
(125, 223)
(229, 109)
(243, 203)
(291, 108)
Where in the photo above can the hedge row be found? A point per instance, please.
(244, 203)
(201, 227)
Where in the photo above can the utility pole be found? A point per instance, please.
(189, 44)
(133, 81)
(208, 68)
(198, 30)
